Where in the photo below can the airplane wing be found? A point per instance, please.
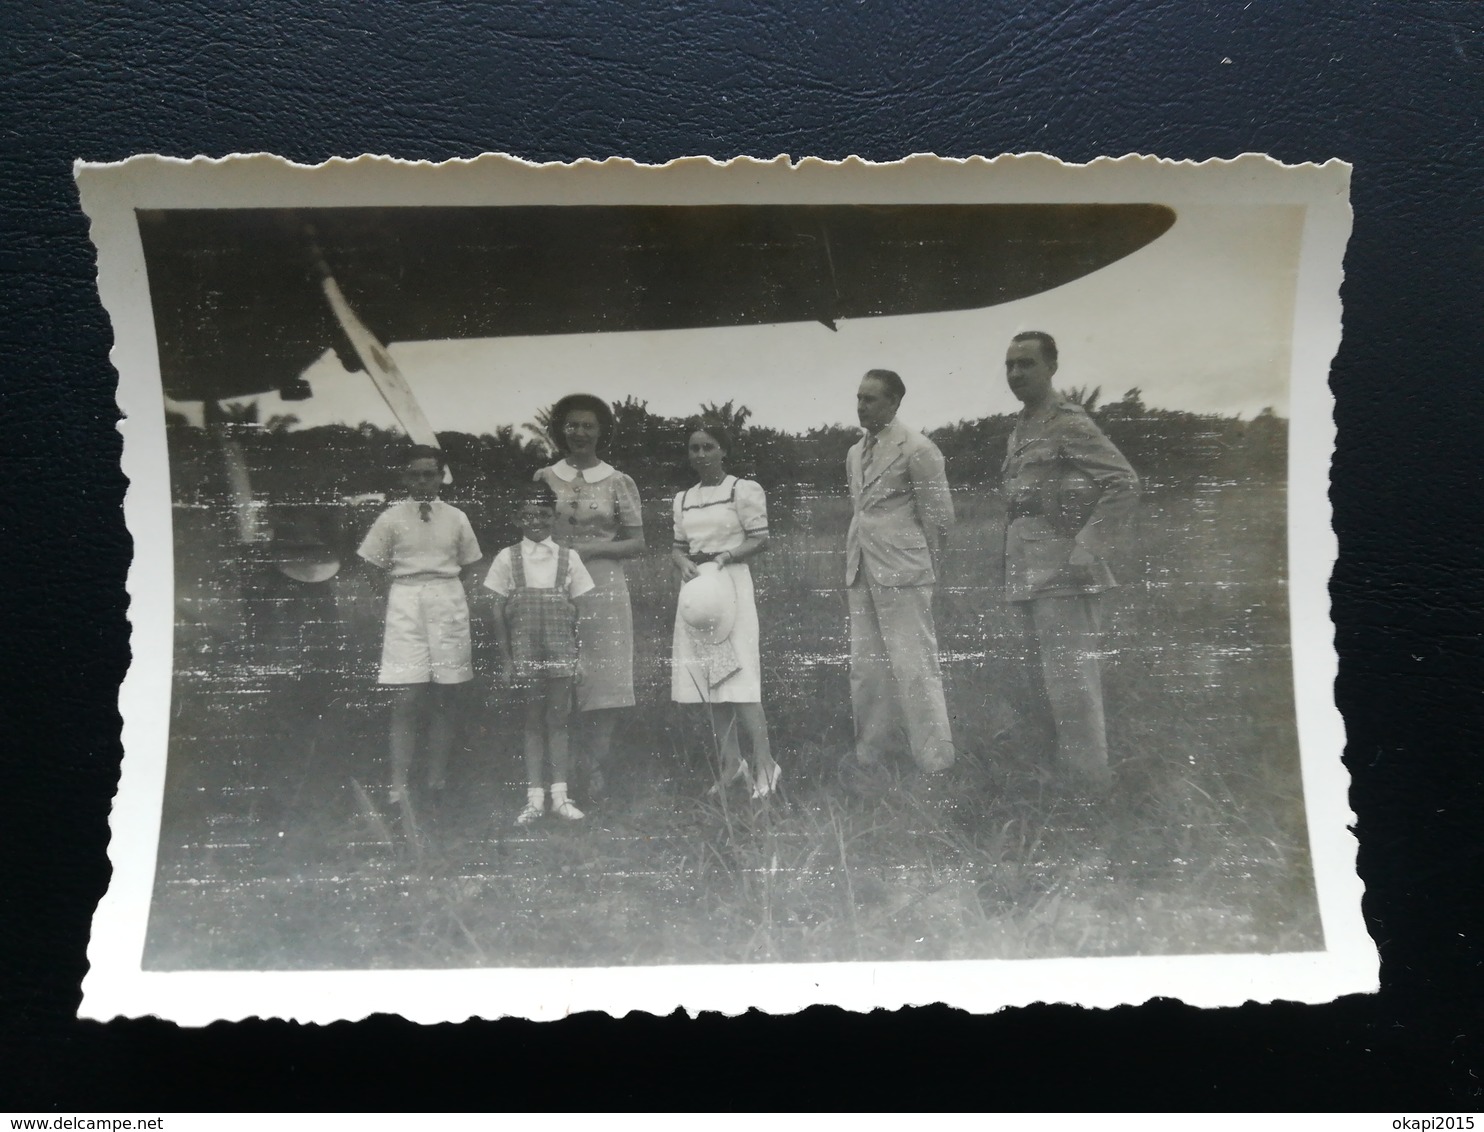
(239, 309)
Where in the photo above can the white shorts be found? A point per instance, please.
(427, 634)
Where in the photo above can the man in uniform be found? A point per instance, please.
(901, 513)
(1068, 492)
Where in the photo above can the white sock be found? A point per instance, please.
(558, 794)
(536, 797)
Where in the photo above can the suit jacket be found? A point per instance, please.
(904, 496)
(1066, 486)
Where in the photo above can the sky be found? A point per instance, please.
(1201, 320)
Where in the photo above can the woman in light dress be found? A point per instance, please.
(598, 516)
(720, 523)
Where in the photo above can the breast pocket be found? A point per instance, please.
(1040, 453)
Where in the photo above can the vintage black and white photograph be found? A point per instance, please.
(726, 567)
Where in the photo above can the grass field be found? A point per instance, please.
(278, 849)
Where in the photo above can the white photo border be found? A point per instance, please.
(116, 985)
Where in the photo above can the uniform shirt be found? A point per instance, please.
(412, 549)
(539, 561)
(1053, 456)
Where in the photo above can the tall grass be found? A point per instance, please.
(1202, 846)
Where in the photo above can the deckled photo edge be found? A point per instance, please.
(118, 986)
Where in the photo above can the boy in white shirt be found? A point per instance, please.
(534, 584)
(423, 544)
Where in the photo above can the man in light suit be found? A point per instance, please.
(901, 514)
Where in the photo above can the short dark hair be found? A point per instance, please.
(715, 431)
(425, 452)
(1048, 343)
(536, 491)
(578, 401)
(892, 380)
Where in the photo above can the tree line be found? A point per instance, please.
(1168, 447)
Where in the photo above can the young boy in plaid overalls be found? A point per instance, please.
(534, 584)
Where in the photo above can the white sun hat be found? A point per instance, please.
(708, 604)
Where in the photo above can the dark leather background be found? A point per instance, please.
(1395, 88)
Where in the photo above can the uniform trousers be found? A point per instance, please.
(1067, 634)
(896, 685)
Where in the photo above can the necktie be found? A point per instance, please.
(425, 511)
(867, 453)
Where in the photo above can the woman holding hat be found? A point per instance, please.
(720, 523)
(598, 516)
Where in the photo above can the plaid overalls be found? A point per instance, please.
(543, 622)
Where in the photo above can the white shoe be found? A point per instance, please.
(767, 782)
(531, 813)
(739, 773)
(569, 811)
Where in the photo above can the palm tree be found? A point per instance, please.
(1082, 395)
(232, 420)
(732, 418)
(631, 411)
(1129, 407)
(240, 412)
(540, 428)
